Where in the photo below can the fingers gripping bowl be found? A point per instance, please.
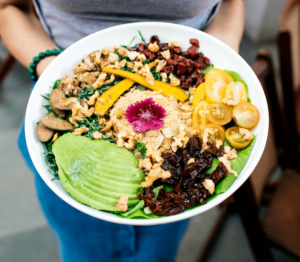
(70, 149)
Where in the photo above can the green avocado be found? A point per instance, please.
(97, 173)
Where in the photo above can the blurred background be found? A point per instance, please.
(269, 217)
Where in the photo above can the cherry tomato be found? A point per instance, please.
(219, 133)
(199, 120)
(235, 93)
(216, 81)
(235, 139)
(245, 115)
(219, 114)
(199, 95)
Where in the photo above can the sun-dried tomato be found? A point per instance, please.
(192, 51)
(154, 39)
(168, 69)
(140, 47)
(182, 79)
(200, 80)
(164, 46)
(175, 56)
(176, 50)
(149, 54)
(181, 59)
(189, 66)
(172, 62)
(194, 42)
(187, 84)
(159, 55)
(181, 68)
(185, 54)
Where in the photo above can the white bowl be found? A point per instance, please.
(219, 54)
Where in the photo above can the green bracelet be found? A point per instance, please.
(37, 59)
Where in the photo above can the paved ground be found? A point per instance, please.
(24, 234)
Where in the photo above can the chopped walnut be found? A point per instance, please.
(92, 99)
(145, 164)
(122, 51)
(106, 51)
(130, 65)
(174, 81)
(118, 65)
(88, 77)
(155, 173)
(153, 47)
(145, 71)
(141, 58)
(66, 103)
(97, 135)
(246, 134)
(112, 78)
(120, 141)
(209, 185)
(102, 121)
(180, 140)
(80, 130)
(132, 55)
(164, 77)
(89, 63)
(227, 164)
(231, 153)
(78, 110)
(70, 85)
(166, 54)
(138, 65)
(160, 65)
(73, 121)
(55, 137)
(112, 58)
(96, 55)
(104, 64)
(205, 137)
(192, 90)
(129, 144)
(173, 44)
(156, 156)
(219, 143)
(100, 80)
(107, 127)
(122, 203)
(192, 160)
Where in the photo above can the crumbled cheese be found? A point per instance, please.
(166, 54)
(164, 77)
(153, 47)
(130, 65)
(174, 81)
(122, 203)
(231, 153)
(97, 135)
(81, 130)
(246, 134)
(174, 44)
(227, 164)
(219, 143)
(160, 65)
(132, 55)
(155, 173)
(141, 58)
(209, 185)
(122, 51)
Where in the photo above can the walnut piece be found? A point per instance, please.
(100, 80)
(145, 164)
(155, 173)
(164, 77)
(97, 135)
(231, 153)
(209, 185)
(160, 65)
(122, 51)
(174, 81)
(54, 137)
(122, 203)
(246, 134)
(153, 47)
(227, 164)
(92, 99)
(166, 54)
(173, 44)
(81, 130)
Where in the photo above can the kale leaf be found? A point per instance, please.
(141, 148)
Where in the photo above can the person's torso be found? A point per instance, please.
(67, 21)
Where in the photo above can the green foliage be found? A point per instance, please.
(213, 167)
(92, 124)
(50, 159)
(139, 206)
(236, 77)
(141, 88)
(156, 191)
(141, 148)
(168, 188)
(155, 74)
(139, 214)
(128, 46)
(143, 39)
(147, 61)
(56, 84)
(207, 69)
(86, 92)
(47, 96)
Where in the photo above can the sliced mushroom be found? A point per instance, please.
(44, 134)
(55, 123)
(56, 95)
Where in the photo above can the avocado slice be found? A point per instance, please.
(97, 173)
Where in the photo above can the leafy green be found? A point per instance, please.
(156, 191)
(50, 159)
(249, 99)
(56, 84)
(143, 39)
(155, 74)
(168, 188)
(108, 138)
(141, 88)
(141, 148)
(147, 61)
(236, 77)
(139, 206)
(92, 124)
(213, 167)
(86, 92)
(139, 214)
(207, 69)
(47, 96)
(128, 46)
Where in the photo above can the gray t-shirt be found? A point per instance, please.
(67, 21)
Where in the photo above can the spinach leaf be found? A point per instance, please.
(213, 167)
(143, 39)
(86, 92)
(207, 69)
(128, 46)
(139, 214)
(155, 74)
(56, 84)
(47, 96)
(92, 124)
(141, 88)
(156, 191)
(168, 188)
(139, 206)
(50, 159)
(147, 61)
(141, 148)
(236, 77)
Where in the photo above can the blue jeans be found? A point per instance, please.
(83, 238)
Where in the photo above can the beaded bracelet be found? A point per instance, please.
(37, 59)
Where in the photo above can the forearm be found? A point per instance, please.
(24, 36)
(228, 24)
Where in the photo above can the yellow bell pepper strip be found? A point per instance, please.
(106, 100)
(199, 95)
(152, 64)
(166, 89)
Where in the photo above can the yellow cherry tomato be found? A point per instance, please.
(216, 81)
(199, 95)
(199, 120)
(245, 115)
(219, 133)
(235, 139)
(235, 93)
(219, 114)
